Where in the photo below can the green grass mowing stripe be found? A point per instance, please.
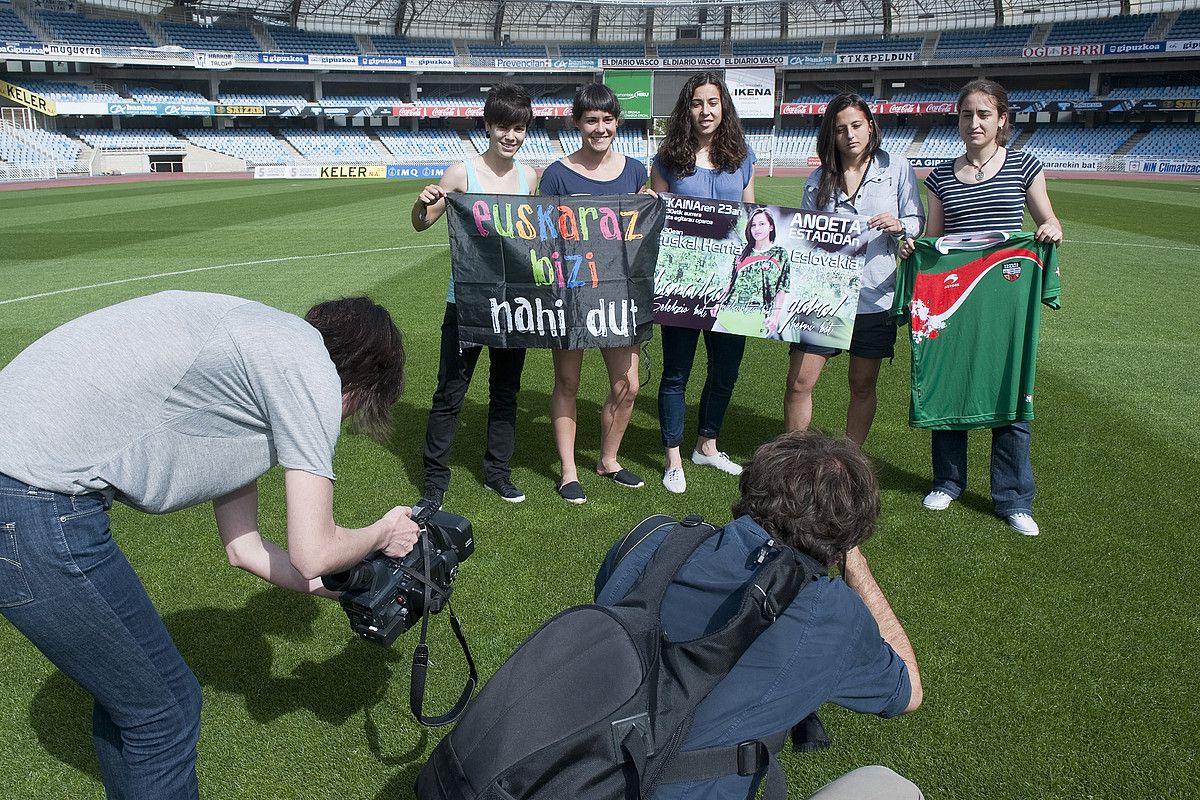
(1055, 667)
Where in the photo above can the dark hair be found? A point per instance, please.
(508, 105)
(999, 97)
(813, 492)
(678, 149)
(750, 239)
(832, 168)
(595, 97)
(368, 352)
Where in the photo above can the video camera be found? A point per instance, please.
(384, 596)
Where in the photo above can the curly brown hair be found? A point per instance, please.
(727, 151)
(813, 492)
(367, 350)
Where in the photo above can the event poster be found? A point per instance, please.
(765, 271)
(546, 271)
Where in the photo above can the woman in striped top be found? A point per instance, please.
(987, 189)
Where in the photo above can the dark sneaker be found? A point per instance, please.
(572, 492)
(434, 495)
(624, 477)
(509, 493)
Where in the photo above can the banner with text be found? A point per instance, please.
(564, 272)
(753, 92)
(764, 271)
(632, 88)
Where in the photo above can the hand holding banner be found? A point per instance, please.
(561, 272)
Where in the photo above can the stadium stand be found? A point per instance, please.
(37, 146)
(1187, 26)
(808, 47)
(335, 147)
(66, 92)
(401, 46)
(878, 45)
(795, 145)
(360, 100)
(941, 141)
(12, 29)
(507, 50)
(897, 140)
(428, 146)
(446, 100)
(1173, 141)
(1054, 141)
(134, 139)
(253, 145)
(294, 41)
(1003, 41)
(612, 50)
(155, 94)
(75, 29)
(1131, 28)
(194, 37)
(1147, 92)
(690, 49)
(248, 99)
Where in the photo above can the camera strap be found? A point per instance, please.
(420, 665)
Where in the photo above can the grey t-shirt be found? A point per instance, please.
(166, 401)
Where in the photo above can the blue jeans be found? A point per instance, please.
(725, 352)
(1012, 470)
(66, 585)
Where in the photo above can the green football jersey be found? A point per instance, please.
(973, 302)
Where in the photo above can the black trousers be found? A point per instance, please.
(455, 368)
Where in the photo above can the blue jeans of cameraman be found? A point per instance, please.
(66, 585)
(1012, 470)
(725, 351)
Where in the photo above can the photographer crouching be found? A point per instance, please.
(164, 402)
(839, 641)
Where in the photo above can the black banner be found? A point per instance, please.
(564, 272)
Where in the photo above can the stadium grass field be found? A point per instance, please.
(1062, 666)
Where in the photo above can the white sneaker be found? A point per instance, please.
(674, 480)
(937, 500)
(721, 461)
(1023, 524)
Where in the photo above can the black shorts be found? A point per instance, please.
(874, 337)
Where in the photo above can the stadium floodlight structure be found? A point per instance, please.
(647, 21)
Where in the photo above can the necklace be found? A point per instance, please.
(979, 167)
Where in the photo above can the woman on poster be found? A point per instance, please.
(595, 168)
(857, 176)
(987, 189)
(704, 154)
(752, 304)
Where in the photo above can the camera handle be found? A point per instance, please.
(420, 666)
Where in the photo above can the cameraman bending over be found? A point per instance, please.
(164, 402)
(838, 642)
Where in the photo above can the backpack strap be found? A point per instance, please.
(688, 534)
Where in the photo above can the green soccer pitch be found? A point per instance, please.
(1062, 666)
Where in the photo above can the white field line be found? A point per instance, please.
(1131, 244)
(216, 266)
(408, 247)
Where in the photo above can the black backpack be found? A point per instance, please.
(597, 702)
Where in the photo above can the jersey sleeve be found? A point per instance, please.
(1051, 279)
(639, 172)
(748, 165)
(905, 277)
(296, 387)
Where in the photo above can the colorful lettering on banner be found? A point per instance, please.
(562, 272)
(764, 271)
